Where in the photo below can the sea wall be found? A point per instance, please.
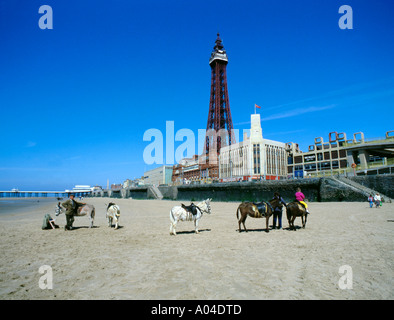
(169, 192)
(315, 190)
(138, 193)
(250, 191)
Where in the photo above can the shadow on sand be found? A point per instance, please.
(192, 231)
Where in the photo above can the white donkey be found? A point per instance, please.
(181, 213)
(113, 213)
(86, 210)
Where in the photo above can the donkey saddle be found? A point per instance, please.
(192, 208)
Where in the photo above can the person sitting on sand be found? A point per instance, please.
(71, 207)
(299, 196)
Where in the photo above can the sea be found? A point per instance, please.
(16, 205)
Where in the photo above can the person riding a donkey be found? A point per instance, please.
(300, 197)
(71, 207)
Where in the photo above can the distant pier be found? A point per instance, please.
(41, 194)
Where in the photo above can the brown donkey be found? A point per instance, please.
(257, 210)
(294, 210)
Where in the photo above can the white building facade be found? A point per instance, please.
(254, 158)
(158, 176)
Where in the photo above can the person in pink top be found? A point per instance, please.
(300, 198)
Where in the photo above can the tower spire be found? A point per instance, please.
(218, 43)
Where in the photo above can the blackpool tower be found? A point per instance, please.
(219, 126)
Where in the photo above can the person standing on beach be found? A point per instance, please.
(71, 207)
(278, 212)
(378, 200)
(300, 197)
(370, 200)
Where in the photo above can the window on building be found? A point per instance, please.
(325, 165)
(298, 159)
(256, 158)
(310, 167)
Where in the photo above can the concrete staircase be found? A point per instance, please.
(360, 188)
(155, 192)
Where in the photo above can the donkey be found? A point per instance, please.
(86, 210)
(294, 210)
(182, 213)
(257, 210)
(113, 213)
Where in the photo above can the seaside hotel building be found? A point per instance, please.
(254, 158)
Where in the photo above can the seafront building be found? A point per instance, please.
(188, 170)
(254, 158)
(357, 156)
(158, 176)
(321, 157)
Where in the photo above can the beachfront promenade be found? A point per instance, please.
(38, 194)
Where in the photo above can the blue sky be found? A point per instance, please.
(76, 100)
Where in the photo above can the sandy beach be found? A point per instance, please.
(141, 260)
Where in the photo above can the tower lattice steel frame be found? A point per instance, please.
(219, 117)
